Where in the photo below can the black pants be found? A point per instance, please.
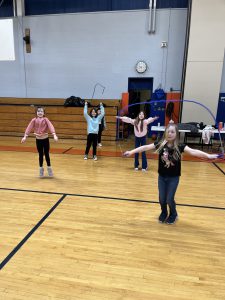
(43, 148)
(100, 133)
(92, 139)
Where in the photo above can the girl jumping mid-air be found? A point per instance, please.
(140, 132)
(41, 125)
(169, 168)
(93, 120)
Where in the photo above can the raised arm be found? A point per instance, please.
(199, 153)
(85, 110)
(140, 149)
(102, 111)
(126, 120)
(104, 123)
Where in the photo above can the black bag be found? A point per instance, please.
(73, 101)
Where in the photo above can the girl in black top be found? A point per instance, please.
(169, 168)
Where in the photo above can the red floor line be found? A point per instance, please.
(100, 153)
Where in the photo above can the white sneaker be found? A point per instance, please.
(95, 157)
(144, 170)
(85, 157)
(100, 145)
(136, 169)
(50, 173)
(41, 172)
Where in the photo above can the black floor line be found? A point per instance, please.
(13, 252)
(219, 168)
(110, 198)
(67, 150)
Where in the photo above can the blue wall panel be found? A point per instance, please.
(157, 109)
(220, 117)
(172, 3)
(39, 7)
(6, 10)
(129, 4)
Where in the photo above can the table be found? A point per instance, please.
(162, 129)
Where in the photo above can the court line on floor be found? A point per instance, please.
(101, 153)
(17, 248)
(219, 168)
(67, 150)
(109, 198)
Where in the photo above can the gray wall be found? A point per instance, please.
(205, 59)
(71, 53)
(222, 87)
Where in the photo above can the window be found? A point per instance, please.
(7, 51)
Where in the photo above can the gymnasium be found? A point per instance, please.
(86, 226)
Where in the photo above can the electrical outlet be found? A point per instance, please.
(163, 44)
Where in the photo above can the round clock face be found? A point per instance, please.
(141, 66)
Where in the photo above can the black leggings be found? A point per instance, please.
(92, 139)
(43, 147)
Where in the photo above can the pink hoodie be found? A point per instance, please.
(139, 133)
(40, 126)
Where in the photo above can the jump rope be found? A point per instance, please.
(220, 156)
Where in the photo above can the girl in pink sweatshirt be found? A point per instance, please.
(140, 132)
(40, 126)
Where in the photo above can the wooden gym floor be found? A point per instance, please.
(91, 232)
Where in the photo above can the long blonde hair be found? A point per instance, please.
(164, 141)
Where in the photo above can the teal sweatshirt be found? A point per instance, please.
(93, 123)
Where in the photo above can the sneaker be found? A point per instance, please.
(163, 217)
(41, 172)
(100, 145)
(85, 157)
(95, 157)
(50, 173)
(136, 169)
(144, 170)
(172, 219)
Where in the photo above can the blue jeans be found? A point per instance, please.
(140, 141)
(167, 189)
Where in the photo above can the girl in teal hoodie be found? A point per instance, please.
(93, 120)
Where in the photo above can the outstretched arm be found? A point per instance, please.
(199, 153)
(151, 120)
(126, 120)
(140, 149)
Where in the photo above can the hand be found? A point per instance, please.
(156, 117)
(100, 104)
(23, 139)
(213, 156)
(85, 103)
(55, 138)
(127, 153)
(118, 117)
